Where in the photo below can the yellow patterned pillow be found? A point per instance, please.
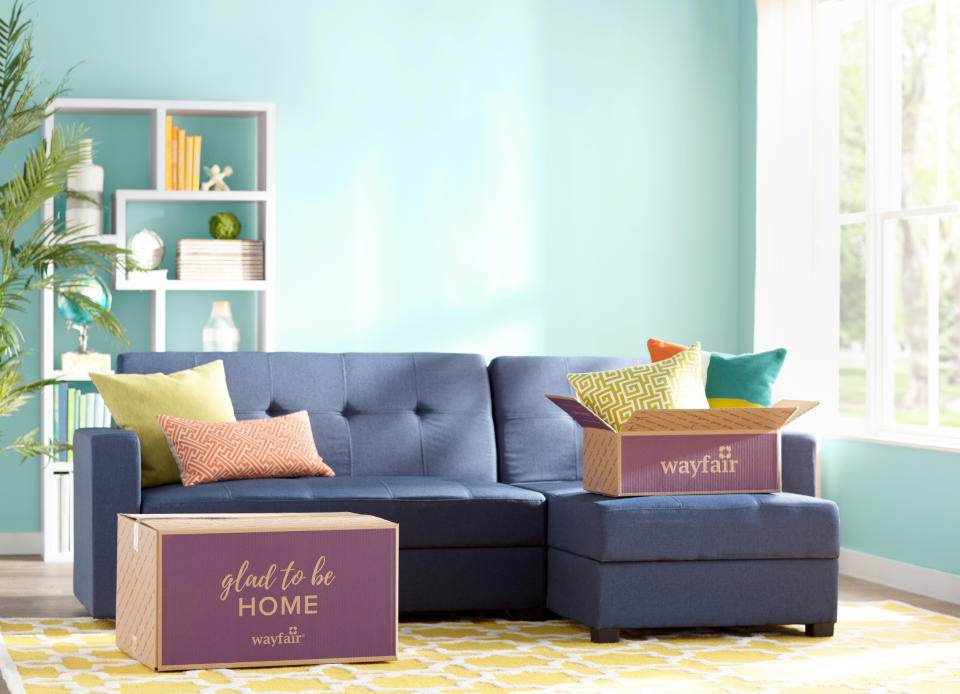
(673, 383)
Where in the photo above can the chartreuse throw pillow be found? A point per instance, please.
(744, 380)
(135, 400)
(673, 383)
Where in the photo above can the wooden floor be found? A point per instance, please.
(32, 588)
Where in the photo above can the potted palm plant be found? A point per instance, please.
(37, 255)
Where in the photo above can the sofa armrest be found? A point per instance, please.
(106, 481)
(798, 455)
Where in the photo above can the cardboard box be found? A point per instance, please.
(229, 590)
(709, 451)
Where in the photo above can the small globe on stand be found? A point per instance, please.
(80, 317)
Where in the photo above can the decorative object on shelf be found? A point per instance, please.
(220, 333)
(205, 259)
(86, 180)
(147, 249)
(21, 115)
(80, 317)
(216, 181)
(224, 225)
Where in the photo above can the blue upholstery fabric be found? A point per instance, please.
(432, 512)
(689, 528)
(798, 463)
(106, 481)
(371, 414)
(649, 595)
(536, 440)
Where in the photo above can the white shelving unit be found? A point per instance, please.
(57, 477)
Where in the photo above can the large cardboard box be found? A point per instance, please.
(222, 590)
(709, 451)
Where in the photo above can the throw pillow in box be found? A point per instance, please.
(248, 449)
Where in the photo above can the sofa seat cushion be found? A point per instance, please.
(689, 527)
(432, 511)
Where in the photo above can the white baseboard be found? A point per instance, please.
(896, 574)
(21, 543)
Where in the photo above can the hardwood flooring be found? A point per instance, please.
(30, 587)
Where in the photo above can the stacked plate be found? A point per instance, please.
(201, 259)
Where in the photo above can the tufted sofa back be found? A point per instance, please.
(371, 414)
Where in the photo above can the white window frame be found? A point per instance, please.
(883, 191)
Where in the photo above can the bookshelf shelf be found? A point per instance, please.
(56, 476)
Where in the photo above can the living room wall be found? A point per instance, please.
(527, 177)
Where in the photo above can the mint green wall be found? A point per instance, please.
(748, 170)
(895, 502)
(525, 177)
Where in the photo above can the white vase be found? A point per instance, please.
(86, 178)
(220, 333)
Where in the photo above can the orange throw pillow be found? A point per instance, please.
(248, 449)
(660, 350)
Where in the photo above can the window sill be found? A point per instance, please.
(928, 441)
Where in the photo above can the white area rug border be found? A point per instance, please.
(21, 543)
(896, 574)
(8, 671)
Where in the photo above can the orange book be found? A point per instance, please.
(196, 162)
(188, 164)
(169, 152)
(182, 159)
(174, 158)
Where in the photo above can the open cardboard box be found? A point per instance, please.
(707, 451)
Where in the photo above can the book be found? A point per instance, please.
(91, 417)
(97, 411)
(181, 158)
(62, 388)
(56, 413)
(198, 140)
(174, 158)
(71, 419)
(82, 412)
(169, 167)
(188, 164)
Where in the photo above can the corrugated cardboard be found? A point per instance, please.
(244, 590)
(707, 451)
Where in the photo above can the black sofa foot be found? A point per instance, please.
(529, 614)
(604, 635)
(820, 629)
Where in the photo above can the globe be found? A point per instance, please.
(89, 286)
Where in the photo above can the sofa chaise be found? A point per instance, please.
(483, 475)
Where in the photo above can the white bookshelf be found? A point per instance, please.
(56, 476)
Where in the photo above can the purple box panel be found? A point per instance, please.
(701, 464)
(289, 595)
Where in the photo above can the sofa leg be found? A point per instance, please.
(820, 629)
(604, 635)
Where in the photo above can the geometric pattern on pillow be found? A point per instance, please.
(252, 448)
(673, 383)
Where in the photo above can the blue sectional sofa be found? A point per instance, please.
(483, 475)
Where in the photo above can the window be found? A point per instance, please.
(892, 85)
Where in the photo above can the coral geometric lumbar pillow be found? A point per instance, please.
(673, 383)
(251, 448)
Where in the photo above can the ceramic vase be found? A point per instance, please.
(86, 178)
(220, 333)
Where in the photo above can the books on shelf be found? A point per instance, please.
(217, 259)
(73, 409)
(183, 158)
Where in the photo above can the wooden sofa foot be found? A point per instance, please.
(820, 629)
(604, 635)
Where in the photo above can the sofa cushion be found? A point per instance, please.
(535, 439)
(371, 414)
(689, 527)
(431, 511)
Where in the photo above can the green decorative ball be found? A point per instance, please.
(224, 225)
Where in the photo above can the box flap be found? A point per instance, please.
(802, 407)
(579, 412)
(746, 419)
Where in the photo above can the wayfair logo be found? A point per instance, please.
(293, 635)
(722, 464)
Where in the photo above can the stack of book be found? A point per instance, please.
(183, 158)
(217, 259)
(73, 409)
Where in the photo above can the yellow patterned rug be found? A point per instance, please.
(878, 647)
